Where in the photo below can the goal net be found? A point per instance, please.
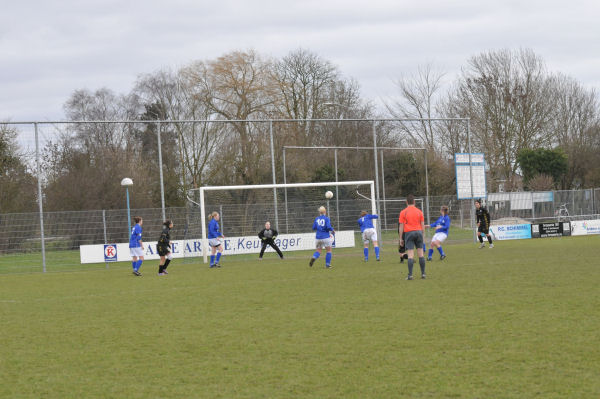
(290, 208)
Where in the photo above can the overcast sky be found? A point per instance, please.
(48, 49)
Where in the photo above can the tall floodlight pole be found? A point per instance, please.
(127, 182)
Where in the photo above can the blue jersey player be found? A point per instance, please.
(136, 246)
(441, 226)
(367, 229)
(323, 238)
(214, 239)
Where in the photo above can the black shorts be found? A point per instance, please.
(484, 229)
(162, 251)
(414, 239)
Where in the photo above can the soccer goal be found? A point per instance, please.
(290, 208)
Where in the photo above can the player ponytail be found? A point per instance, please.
(137, 219)
(167, 223)
(213, 215)
(363, 213)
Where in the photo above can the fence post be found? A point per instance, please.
(427, 189)
(337, 193)
(104, 226)
(376, 166)
(472, 205)
(273, 170)
(383, 192)
(40, 198)
(160, 168)
(285, 193)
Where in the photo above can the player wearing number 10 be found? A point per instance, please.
(322, 225)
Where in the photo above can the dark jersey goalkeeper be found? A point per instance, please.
(267, 237)
(483, 224)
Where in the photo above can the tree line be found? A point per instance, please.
(539, 130)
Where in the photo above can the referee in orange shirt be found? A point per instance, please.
(412, 224)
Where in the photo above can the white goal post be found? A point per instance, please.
(201, 192)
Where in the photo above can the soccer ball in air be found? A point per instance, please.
(329, 195)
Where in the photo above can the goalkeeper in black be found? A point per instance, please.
(267, 237)
(483, 224)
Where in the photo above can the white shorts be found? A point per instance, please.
(369, 235)
(323, 242)
(214, 242)
(169, 256)
(137, 251)
(441, 237)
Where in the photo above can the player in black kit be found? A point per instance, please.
(267, 237)
(163, 247)
(483, 224)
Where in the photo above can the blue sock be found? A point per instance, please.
(138, 265)
(212, 260)
(377, 252)
(316, 255)
(218, 256)
(133, 263)
(328, 259)
(440, 250)
(430, 253)
(366, 252)
(424, 247)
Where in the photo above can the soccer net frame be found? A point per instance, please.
(201, 191)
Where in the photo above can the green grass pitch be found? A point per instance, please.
(517, 321)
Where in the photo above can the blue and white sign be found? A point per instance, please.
(110, 252)
(585, 227)
(193, 248)
(463, 166)
(511, 231)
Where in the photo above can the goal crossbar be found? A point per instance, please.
(201, 191)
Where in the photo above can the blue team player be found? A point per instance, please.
(441, 225)
(136, 246)
(365, 221)
(323, 238)
(214, 239)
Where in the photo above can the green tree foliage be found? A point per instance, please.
(541, 161)
(18, 187)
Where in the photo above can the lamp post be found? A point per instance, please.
(126, 182)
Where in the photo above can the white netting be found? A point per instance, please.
(244, 210)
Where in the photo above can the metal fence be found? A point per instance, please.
(21, 242)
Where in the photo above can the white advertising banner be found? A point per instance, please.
(188, 248)
(585, 227)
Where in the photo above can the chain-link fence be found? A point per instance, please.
(65, 232)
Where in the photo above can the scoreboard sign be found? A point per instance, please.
(554, 229)
(464, 164)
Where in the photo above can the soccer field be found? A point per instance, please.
(517, 321)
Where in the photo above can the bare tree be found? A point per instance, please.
(418, 99)
(176, 98)
(507, 95)
(237, 86)
(575, 127)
